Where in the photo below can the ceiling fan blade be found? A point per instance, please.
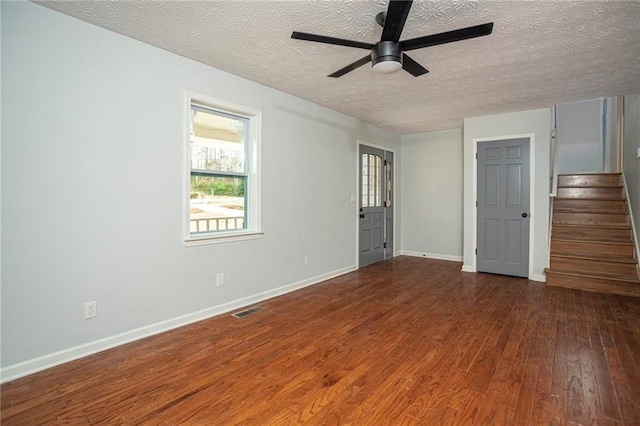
(394, 20)
(351, 67)
(447, 37)
(330, 40)
(412, 67)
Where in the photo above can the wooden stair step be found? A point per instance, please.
(618, 277)
(591, 218)
(588, 210)
(594, 240)
(598, 193)
(586, 205)
(594, 264)
(618, 232)
(591, 282)
(591, 247)
(590, 180)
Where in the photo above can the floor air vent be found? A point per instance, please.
(248, 312)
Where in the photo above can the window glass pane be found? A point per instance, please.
(218, 141)
(216, 204)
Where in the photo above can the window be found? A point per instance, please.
(222, 154)
(371, 180)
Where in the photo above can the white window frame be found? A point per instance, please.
(253, 228)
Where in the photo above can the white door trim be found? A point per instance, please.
(532, 157)
(357, 192)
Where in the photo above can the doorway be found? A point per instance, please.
(376, 192)
(503, 209)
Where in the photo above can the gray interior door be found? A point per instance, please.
(503, 207)
(372, 210)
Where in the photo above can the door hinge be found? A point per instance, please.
(385, 245)
(476, 251)
(476, 203)
(476, 155)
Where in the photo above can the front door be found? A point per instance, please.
(374, 226)
(503, 207)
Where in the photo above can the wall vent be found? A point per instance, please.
(247, 312)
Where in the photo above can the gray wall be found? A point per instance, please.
(92, 191)
(535, 122)
(579, 137)
(432, 194)
(611, 136)
(631, 163)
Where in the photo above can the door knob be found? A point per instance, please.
(524, 215)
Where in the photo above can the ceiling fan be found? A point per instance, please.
(388, 55)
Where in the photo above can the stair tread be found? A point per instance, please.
(591, 174)
(614, 277)
(591, 225)
(590, 186)
(558, 197)
(587, 211)
(595, 258)
(595, 212)
(605, 241)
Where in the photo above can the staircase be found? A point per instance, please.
(591, 239)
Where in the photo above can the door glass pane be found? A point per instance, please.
(216, 204)
(365, 180)
(378, 181)
(371, 180)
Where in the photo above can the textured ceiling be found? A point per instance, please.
(541, 53)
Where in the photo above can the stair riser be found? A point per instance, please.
(590, 219)
(593, 206)
(558, 231)
(593, 266)
(602, 285)
(589, 180)
(598, 193)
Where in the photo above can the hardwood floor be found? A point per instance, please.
(406, 341)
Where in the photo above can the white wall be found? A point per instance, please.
(432, 194)
(92, 197)
(631, 163)
(579, 137)
(535, 122)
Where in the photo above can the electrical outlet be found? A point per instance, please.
(90, 309)
(220, 279)
(306, 261)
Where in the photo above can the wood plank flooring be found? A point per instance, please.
(405, 341)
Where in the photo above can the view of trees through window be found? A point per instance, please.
(218, 171)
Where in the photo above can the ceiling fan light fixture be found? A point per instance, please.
(387, 66)
(386, 57)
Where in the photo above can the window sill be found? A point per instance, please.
(222, 238)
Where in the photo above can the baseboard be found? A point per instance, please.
(31, 366)
(432, 255)
(468, 268)
(538, 277)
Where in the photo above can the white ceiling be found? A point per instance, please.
(541, 53)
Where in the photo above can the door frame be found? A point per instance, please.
(356, 199)
(532, 208)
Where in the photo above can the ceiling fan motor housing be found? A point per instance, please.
(386, 51)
